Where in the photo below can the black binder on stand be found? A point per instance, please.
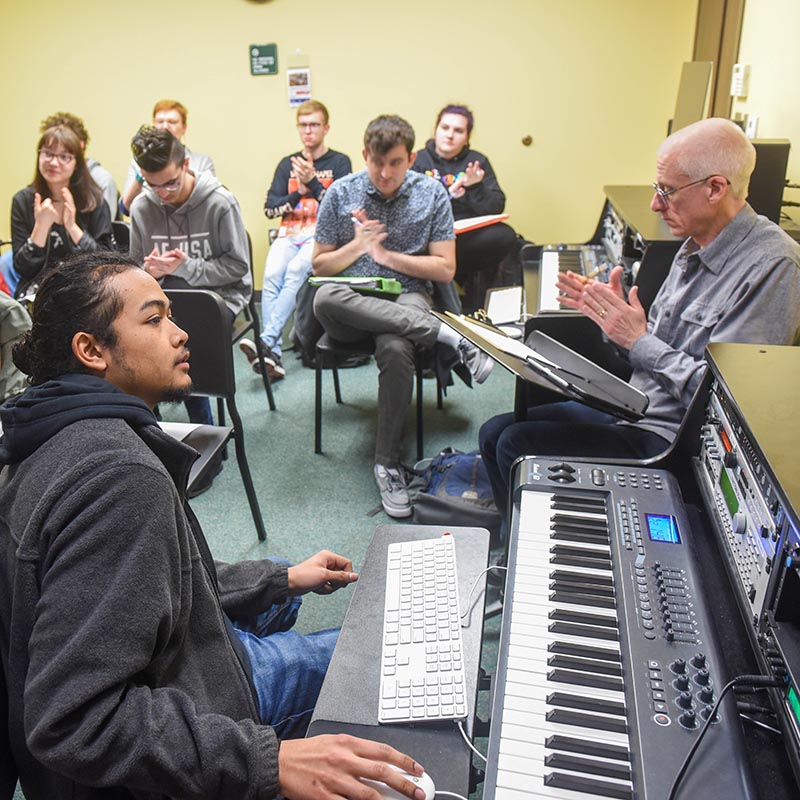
(550, 364)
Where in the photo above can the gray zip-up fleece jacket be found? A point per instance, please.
(123, 679)
(208, 227)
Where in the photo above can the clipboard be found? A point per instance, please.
(473, 223)
(545, 362)
(387, 288)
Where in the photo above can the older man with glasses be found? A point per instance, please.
(736, 278)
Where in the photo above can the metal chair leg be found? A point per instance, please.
(244, 469)
(318, 403)
(337, 390)
(264, 371)
(420, 422)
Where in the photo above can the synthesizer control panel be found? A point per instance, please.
(739, 493)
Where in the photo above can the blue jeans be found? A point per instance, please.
(288, 667)
(288, 265)
(567, 429)
(10, 275)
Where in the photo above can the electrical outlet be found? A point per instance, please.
(751, 127)
(740, 80)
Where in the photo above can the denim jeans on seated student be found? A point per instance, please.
(287, 268)
(10, 275)
(288, 667)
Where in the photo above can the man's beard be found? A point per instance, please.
(175, 395)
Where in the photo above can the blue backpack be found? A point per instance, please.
(453, 489)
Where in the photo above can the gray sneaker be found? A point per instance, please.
(394, 496)
(475, 360)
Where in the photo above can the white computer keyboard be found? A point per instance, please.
(422, 667)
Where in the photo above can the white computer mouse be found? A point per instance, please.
(388, 793)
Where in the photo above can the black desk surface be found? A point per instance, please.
(348, 702)
(633, 205)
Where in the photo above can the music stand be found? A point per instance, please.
(547, 363)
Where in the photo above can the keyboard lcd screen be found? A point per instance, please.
(663, 528)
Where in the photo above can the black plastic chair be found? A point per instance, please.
(248, 322)
(205, 317)
(122, 234)
(330, 351)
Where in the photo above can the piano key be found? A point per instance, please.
(579, 587)
(586, 679)
(598, 749)
(583, 599)
(532, 725)
(577, 764)
(591, 665)
(533, 621)
(535, 684)
(576, 502)
(582, 649)
(567, 700)
(591, 631)
(533, 761)
(584, 617)
(602, 552)
(583, 719)
(570, 575)
(548, 272)
(576, 783)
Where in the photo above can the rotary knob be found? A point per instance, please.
(706, 694)
(699, 660)
(678, 666)
(682, 682)
(703, 677)
(688, 719)
(685, 700)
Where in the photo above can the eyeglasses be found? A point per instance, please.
(664, 194)
(310, 125)
(167, 186)
(62, 158)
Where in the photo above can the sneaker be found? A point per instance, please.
(394, 496)
(275, 369)
(475, 360)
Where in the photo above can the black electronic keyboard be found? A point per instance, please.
(608, 661)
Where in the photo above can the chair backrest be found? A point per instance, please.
(122, 234)
(205, 317)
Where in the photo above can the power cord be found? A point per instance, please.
(469, 596)
(753, 681)
(481, 756)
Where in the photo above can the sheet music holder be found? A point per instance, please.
(550, 364)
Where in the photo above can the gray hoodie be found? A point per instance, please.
(209, 228)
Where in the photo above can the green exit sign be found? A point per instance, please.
(263, 59)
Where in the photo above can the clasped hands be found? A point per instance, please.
(161, 264)
(472, 174)
(369, 235)
(623, 321)
(46, 214)
(303, 169)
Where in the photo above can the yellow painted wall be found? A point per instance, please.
(592, 81)
(769, 45)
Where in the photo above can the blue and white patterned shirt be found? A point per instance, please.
(420, 213)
